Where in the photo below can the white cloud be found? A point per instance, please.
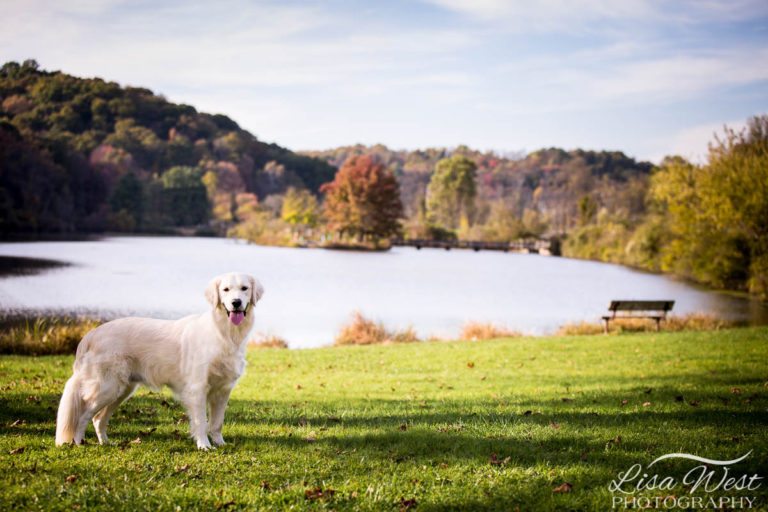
(547, 14)
(574, 15)
(681, 76)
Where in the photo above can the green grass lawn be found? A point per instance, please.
(424, 426)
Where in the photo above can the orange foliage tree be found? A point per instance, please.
(363, 201)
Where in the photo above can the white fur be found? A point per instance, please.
(200, 357)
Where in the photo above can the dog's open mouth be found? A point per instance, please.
(236, 317)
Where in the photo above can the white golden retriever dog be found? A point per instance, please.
(200, 357)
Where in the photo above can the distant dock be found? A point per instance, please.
(543, 247)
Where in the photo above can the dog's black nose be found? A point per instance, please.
(236, 303)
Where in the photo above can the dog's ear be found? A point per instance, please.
(212, 292)
(256, 290)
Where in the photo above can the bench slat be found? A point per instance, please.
(641, 305)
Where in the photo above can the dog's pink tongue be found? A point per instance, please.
(236, 317)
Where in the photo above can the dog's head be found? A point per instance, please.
(235, 293)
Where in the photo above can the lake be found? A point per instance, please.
(310, 293)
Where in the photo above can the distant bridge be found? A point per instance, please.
(543, 247)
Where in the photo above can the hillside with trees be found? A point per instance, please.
(87, 155)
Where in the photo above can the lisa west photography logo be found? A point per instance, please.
(708, 484)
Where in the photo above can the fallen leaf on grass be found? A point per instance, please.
(624, 402)
(736, 391)
(71, 479)
(408, 504)
(471, 364)
(404, 426)
(136, 441)
(266, 485)
(318, 493)
(311, 437)
(298, 387)
(495, 461)
(563, 488)
(646, 404)
(17, 451)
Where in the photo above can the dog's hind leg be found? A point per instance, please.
(97, 394)
(101, 419)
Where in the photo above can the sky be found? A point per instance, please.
(647, 77)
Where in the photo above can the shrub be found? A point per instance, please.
(407, 335)
(361, 331)
(475, 331)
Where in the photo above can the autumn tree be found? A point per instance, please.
(363, 201)
(299, 208)
(451, 192)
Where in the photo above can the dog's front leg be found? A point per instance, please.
(217, 400)
(194, 401)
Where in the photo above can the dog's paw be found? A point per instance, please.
(217, 440)
(204, 445)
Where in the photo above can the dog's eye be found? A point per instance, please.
(226, 289)
(244, 288)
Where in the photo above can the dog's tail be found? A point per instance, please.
(70, 409)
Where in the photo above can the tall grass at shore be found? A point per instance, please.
(363, 331)
(675, 323)
(49, 335)
(41, 335)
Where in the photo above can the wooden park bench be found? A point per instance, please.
(654, 309)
